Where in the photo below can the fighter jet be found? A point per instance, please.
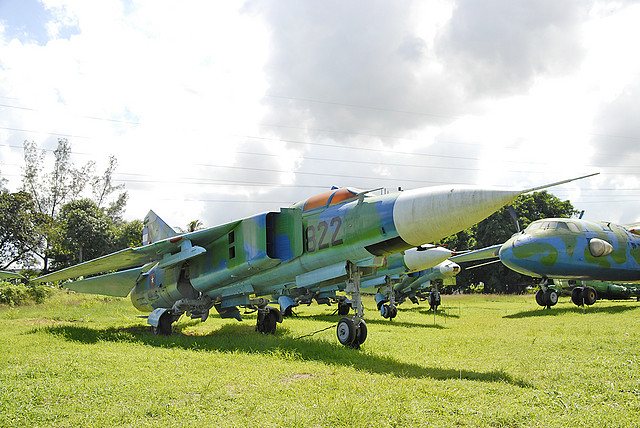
(571, 249)
(233, 265)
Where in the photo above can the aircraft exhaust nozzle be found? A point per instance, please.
(431, 213)
(417, 259)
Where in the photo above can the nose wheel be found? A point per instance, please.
(351, 335)
(352, 332)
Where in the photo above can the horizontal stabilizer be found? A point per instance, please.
(117, 284)
(121, 260)
(10, 275)
(481, 254)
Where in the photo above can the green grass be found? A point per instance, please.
(483, 361)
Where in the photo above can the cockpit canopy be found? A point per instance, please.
(550, 224)
(326, 199)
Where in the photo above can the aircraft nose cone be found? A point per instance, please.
(431, 213)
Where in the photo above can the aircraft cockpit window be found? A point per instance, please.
(332, 197)
(562, 225)
(550, 225)
(573, 227)
(534, 226)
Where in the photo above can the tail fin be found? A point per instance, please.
(155, 229)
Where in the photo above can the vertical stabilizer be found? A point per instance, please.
(155, 229)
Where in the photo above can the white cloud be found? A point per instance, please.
(298, 96)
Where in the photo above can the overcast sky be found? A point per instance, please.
(221, 110)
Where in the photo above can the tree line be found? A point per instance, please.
(63, 216)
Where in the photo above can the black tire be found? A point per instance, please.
(164, 325)
(346, 331)
(270, 321)
(540, 298)
(576, 296)
(361, 335)
(589, 295)
(385, 311)
(393, 312)
(267, 323)
(550, 297)
(343, 308)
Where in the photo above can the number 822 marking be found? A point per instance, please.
(318, 237)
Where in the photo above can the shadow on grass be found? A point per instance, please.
(233, 338)
(552, 312)
(449, 312)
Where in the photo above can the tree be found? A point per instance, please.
(18, 228)
(498, 228)
(64, 184)
(103, 188)
(86, 232)
(192, 226)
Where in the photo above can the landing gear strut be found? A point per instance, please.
(352, 332)
(387, 294)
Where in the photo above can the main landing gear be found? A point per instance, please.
(546, 296)
(581, 296)
(268, 317)
(387, 302)
(352, 332)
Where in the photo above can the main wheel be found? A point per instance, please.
(346, 331)
(393, 311)
(164, 325)
(540, 298)
(343, 308)
(361, 335)
(550, 297)
(576, 296)
(269, 323)
(589, 295)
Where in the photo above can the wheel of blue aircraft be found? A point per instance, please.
(346, 331)
(540, 298)
(164, 325)
(361, 335)
(550, 297)
(576, 296)
(589, 295)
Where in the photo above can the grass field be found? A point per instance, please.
(482, 361)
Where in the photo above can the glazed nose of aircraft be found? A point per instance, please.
(431, 213)
(449, 269)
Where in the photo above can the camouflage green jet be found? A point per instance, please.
(340, 232)
(573, 249)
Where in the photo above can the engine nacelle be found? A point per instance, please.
(162, 288)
